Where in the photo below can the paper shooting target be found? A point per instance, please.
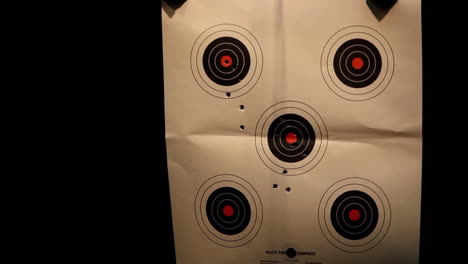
(291, 138)
(357, 63)
(228, 210)
(354, 215)
(226, 61)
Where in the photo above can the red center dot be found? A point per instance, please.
(226, 61)
(354, 215)
(357, 63)
(291, 138)
(228, 210)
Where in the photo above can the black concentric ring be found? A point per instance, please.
(357, 77)
(237, 69)
(301, 128)
(354, 229)
(230, 224)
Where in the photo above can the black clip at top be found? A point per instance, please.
(175, 3)
(380, 8)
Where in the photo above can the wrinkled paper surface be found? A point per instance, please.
(378, 140)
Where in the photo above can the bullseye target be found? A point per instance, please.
(228, 210)
(226, 61)
(354, 215)
(357, 63)
(291, 138)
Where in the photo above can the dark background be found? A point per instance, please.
(88, 139)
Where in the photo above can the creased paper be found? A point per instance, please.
(293, 131)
